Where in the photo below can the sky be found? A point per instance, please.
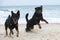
(28, 2)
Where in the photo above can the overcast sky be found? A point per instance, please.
(28, 2)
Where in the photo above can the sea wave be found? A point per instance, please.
(23, 20)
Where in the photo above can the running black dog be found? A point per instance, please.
(35, 19)
(12, 22)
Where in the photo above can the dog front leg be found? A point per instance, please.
(39, 26)
(17, 33)
(45, 21)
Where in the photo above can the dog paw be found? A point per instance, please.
(47, 22)
(39, 27)
(17, 36)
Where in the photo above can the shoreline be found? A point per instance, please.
(40, 23)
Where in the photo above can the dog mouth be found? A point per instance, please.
(15, 21)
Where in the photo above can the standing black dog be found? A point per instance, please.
(12, 22)
(35, 19)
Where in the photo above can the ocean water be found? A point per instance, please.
(50, 12)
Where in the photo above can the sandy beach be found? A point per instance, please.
(47, 32)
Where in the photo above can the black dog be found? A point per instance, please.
(35, 19)
(12, 22)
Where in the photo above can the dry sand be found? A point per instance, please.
(48, 32)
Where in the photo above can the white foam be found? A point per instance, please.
(4, 15)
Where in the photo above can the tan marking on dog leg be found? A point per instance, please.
(17, 33)
(6, 33)
(10, 34)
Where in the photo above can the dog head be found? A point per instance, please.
(38, 9)
(15, 16)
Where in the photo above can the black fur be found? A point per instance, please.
(12, 22)
(35, 19)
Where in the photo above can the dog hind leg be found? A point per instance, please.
(28, 29)
(32, 27)
(10, 33)
(6, 30)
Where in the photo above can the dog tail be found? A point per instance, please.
(9, 16)
(26, 17)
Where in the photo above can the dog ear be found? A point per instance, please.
(41, 6)
(12, 13)
(18, 13)
(35, 8)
